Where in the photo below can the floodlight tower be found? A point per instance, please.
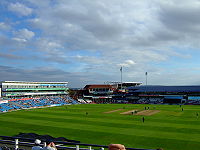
(146, 77)
(121, 77)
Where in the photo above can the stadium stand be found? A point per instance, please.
(151, 100)
(21, 143)
(15, 104)
(164, 94)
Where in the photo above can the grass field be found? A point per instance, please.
(171, 128)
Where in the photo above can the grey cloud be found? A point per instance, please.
(57, 59)
(7, 43)
(75, 79)
(180, 18)
(4, 26)
(94, 25)
(166, 36)
(11, 56)
(36, 74)
(77, 28)
(91, 19)
(24, 34)
(146, 32)
(52, 58)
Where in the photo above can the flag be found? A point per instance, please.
(121, 69)
(146, 73)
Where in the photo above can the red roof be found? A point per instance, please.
(97, 86)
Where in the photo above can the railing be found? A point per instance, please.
(15, 143)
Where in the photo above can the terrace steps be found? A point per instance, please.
(17, 104)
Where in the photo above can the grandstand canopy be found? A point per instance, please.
(124, 84)
(164, 89)
(127, 84)
(97, 86)
(37, 82)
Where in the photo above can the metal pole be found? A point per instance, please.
(77, 147)
(146, 83)
(121, 77)
(146, 78)
(16, 144)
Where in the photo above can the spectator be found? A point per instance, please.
(116, 147)
(50, 146)
(37, 145)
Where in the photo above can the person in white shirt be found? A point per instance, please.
(37, 145)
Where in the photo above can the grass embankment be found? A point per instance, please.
(171, 128)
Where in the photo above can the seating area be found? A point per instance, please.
(14, 104)
(193, 102)
(150, 100)
(23, 143)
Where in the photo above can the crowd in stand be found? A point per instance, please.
(193, 102)
(36, 102)
(49, 146)
(52, 146)
(150, 101)
(14, 104)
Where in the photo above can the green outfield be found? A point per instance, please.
(170, 128)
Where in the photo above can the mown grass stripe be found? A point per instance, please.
(96, 127)
(86, 120)
(169, 129)
(195, 120)
(85, 136)
(129, 120)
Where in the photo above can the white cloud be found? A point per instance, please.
(100, 36)
(127, 63)
(116, 30)
(20, 9)
(4, 26)
(24, 35)
(19, 39)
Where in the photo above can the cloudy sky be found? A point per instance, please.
(87, 41)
